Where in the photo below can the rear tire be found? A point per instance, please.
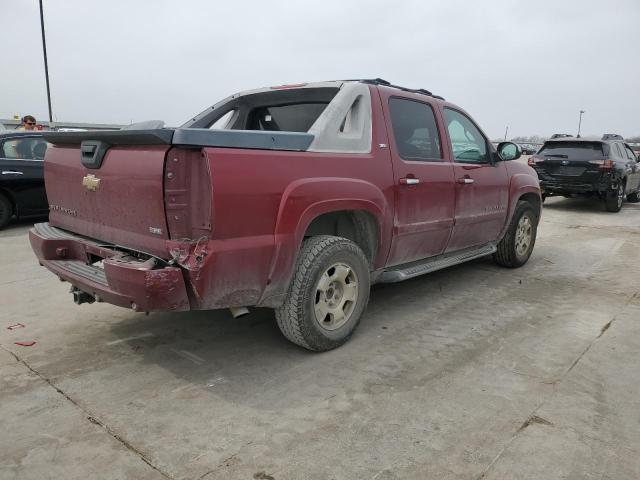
(516, 246)
(633, 197)
(6, 211)
(328, 294)
(614, 198)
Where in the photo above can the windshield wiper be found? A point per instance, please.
(555, 155)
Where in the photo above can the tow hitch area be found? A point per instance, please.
(80, 297)
(108, 273)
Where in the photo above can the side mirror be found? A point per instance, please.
(509, 151)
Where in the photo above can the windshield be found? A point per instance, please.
(575, 150)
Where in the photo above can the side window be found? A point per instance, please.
(469, 145)
(415, 130)
(24, 148)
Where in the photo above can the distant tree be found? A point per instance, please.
(530, 139)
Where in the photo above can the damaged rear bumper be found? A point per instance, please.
(143, 283)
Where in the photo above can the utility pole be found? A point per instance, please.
(506, 132)
(580, 122)
(46, 65)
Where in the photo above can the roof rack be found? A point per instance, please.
(612, 136)
(384, 83)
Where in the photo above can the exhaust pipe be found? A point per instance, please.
(238, 312)
(80, 297)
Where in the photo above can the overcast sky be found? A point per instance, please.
(531, 65)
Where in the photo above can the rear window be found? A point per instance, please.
(286, 118)
(577, 150)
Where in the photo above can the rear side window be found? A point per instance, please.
(415, 130)
(573, 150)
(468, 144)
(286, 118)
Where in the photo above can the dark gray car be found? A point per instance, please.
(606, 168)
(22, 192)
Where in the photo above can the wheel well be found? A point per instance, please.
(533, 199)
(358, 226)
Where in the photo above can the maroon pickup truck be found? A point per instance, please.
(295, 197)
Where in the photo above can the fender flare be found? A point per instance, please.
(306, 199)
(520, 184)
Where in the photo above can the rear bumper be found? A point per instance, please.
(141, 285)
(579, 184)
(553, 187)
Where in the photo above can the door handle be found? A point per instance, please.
(409, 181)
(466, 181)
(11, 172)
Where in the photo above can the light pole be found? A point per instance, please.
(506, 131)
(580, 122)
(46, 65)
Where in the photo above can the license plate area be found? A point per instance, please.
(567, 171)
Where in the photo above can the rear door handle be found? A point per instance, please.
(466, 181)
(409, 181)
(11, 172)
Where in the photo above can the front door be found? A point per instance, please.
(424, 188)
(482, 194)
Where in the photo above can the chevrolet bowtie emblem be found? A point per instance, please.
(91, 182)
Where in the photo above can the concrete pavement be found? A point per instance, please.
(475, 372)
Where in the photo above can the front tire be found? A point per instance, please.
(516, 246)
(614, 198)
(328, 294)
(633, 197)
(6, 210)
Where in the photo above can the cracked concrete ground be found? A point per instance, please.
(475, 372)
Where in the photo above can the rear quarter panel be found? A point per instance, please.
(265, 200)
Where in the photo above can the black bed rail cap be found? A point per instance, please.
(251, 139)
(112, 137)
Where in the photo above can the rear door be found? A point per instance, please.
(22, 173)
(424, 191)
(481, 186)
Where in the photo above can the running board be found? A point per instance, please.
(414, 269)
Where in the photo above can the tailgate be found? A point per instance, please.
(570, 161)
(121, 202)
(569, 168)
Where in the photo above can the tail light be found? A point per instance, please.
(187, 194)
(605, 165)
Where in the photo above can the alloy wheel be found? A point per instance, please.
(336, 296)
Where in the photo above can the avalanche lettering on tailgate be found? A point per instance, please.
(68, 211)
